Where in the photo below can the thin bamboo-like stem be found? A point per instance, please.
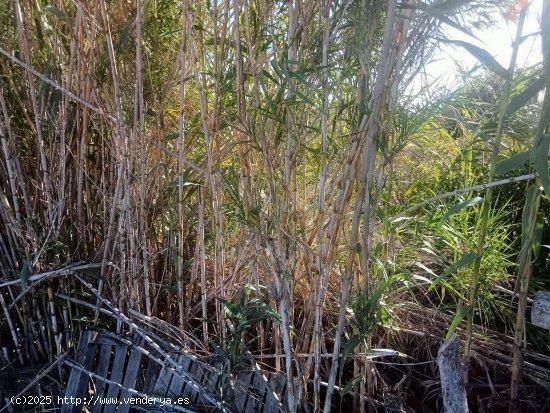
(259, 130)
(9, 155)
(283, 296)
(120, 198)
(82, 147)
(368, 167)
(38, 330)
(9, 262)
(44, 168)
(345, 183)
(322, 270)
(180, 170)
(12, 220)
(12, 236)
(13, 331)
(215, 177)
(64, 120)
(200, 243)
(531, 215)
(525, 268)
(246, 171)
(283, 253)
(344, 299)
(55, 330)
(139, 132)
(9, 146)
(486, 208)
(212, 179)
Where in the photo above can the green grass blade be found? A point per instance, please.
(484, 58)
(458, 207)
(459, 316)
(513, 162)
(462, 262)
(519, 100)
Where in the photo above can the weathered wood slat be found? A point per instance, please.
(117, 375)
(189, 391)
(108, 339)
(151, 376)
(250, 393)
(78, 381)
(242, 393)
(272, 403)
(210, 379)
(103, 366)
(176, 385)
(208, 372)
(163, 382)
(277, 382)
(132, 370)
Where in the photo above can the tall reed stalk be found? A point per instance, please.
(487, 205)
(532, 218)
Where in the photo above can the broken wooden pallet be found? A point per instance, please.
(112, 374)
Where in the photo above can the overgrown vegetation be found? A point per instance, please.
(183, 155)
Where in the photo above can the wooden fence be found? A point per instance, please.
(119, 374)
